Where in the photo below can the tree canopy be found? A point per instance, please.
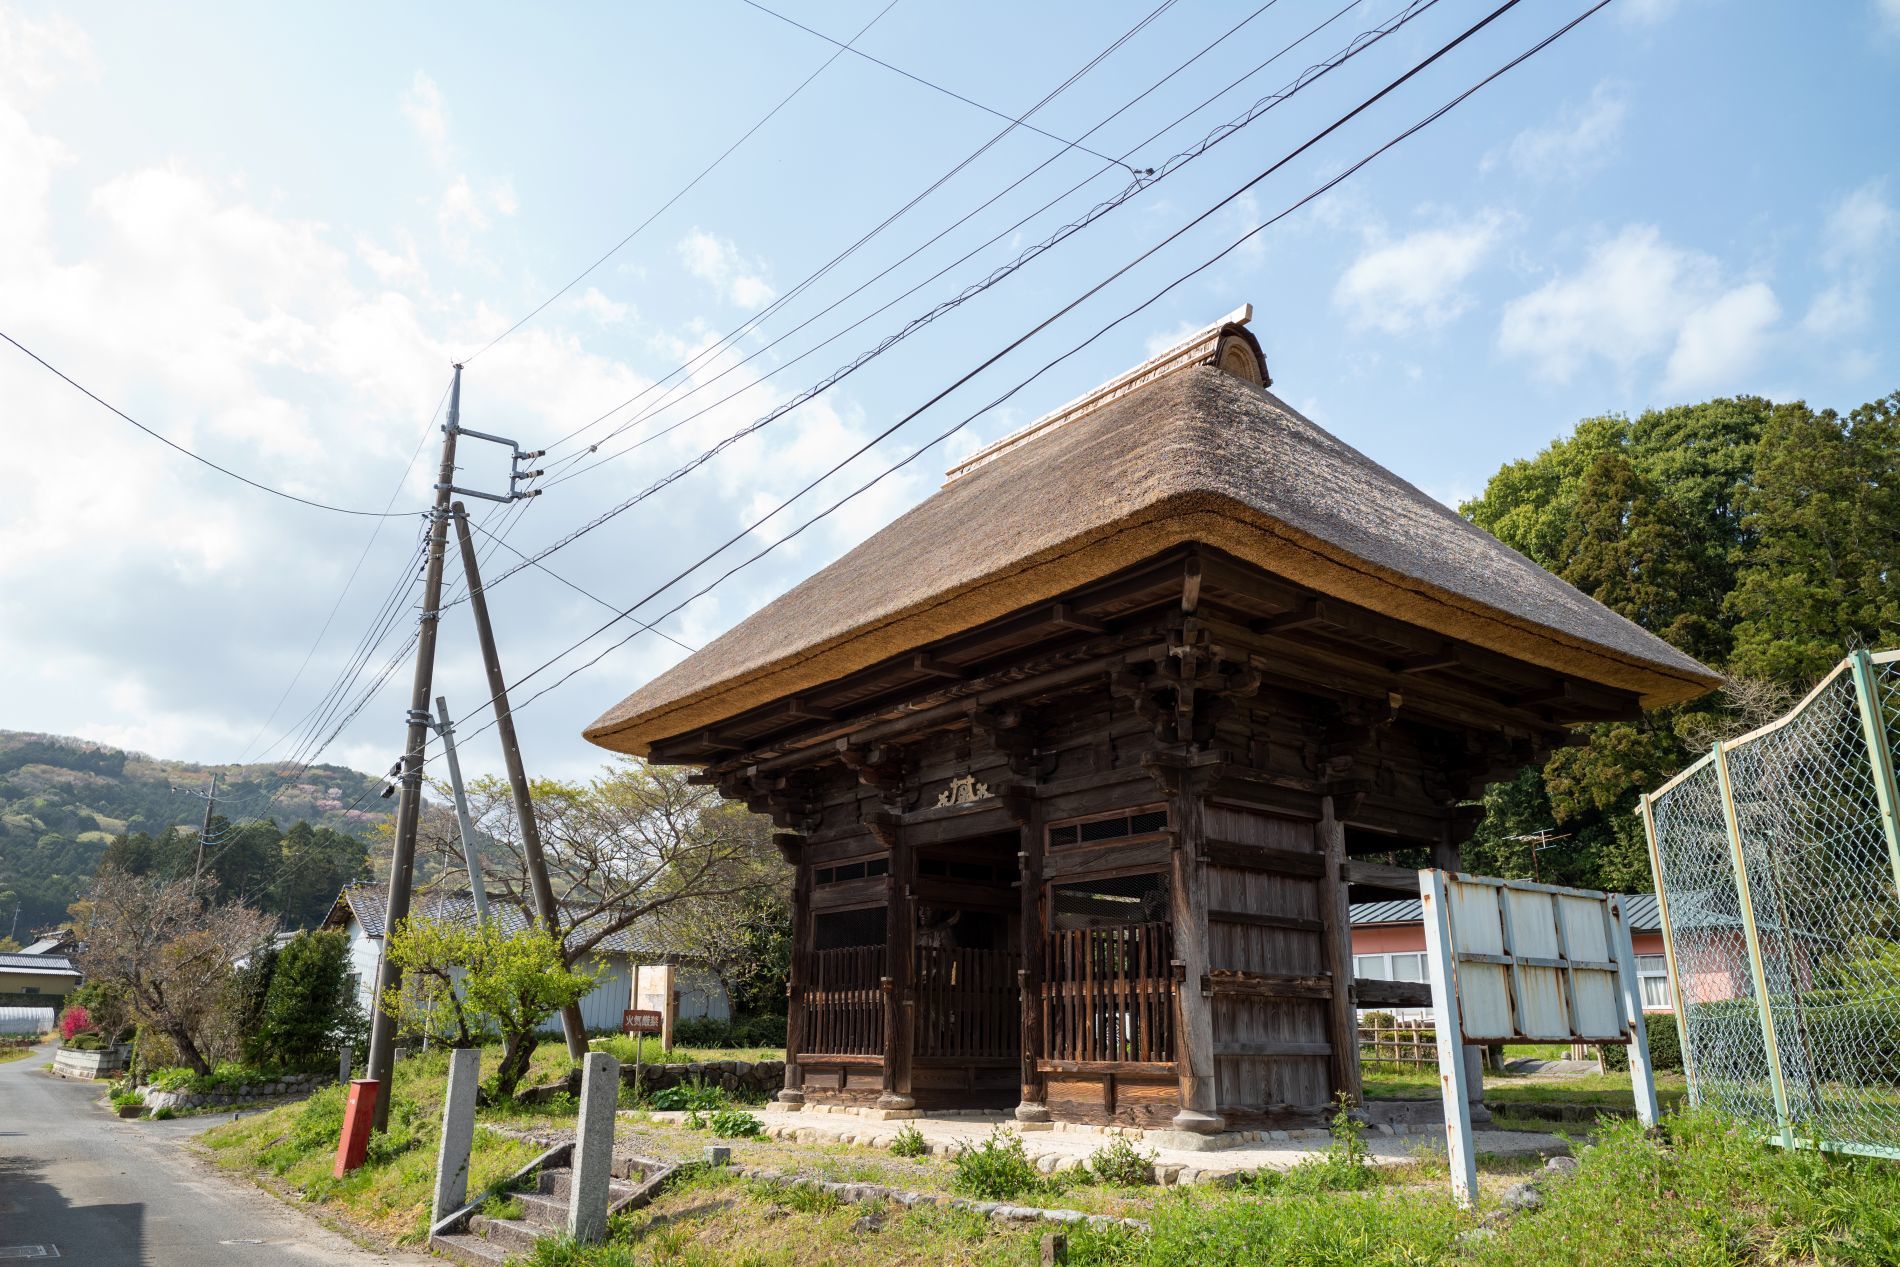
(1760, 537)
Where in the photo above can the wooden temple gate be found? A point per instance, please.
(1077, 764)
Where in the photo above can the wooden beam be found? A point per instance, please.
(1265, 985)
(1380, 875)
(1191, 585)
(925, 663)
(1311, 612)
(1375, 993)
(1292, 923)
(1330, 835)
(1274, 1050)
(798, 710)
(1063, 616)
(1245, 857)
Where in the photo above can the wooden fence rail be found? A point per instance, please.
(1415, 1045)
(968, 1003)
(844, 1006)
(1108, 993)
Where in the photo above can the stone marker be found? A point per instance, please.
(593, 1148)
(458, 1131)
(1055, 1249)
(343, 1062)
(718, 1155)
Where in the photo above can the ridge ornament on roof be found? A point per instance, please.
(1224, 345)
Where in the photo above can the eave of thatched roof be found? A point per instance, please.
(1197, 456)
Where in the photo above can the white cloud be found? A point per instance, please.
(1580, 142)
(422, 106)
(602, 309)
(717, 261)
(1854, 244)
(1859, 227)
(1722, 338)
(1417, 280)
(1636, 300)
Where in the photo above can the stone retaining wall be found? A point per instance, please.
(289, 1084)
(69, 1062)
(744, 1080)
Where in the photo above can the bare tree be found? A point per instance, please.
(1742, 705)
(638, 844)
(171, 951)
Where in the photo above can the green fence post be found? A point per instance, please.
(1681, 1004)
(1879, 755)
(1757, 966)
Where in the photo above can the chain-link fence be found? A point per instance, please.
(1777, 861)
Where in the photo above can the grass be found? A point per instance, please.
(1595, 1090)
(292, 1147)
(12, 1051)
(622, 1047)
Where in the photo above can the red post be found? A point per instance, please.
(359, 1115)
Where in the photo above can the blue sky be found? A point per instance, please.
(268, 232)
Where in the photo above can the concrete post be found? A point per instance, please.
(458, 1132)
(593, 1148)
(344, 1059)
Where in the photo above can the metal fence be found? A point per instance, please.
(1777, 863)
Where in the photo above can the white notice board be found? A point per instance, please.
(1513, 962)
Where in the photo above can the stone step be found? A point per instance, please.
(467, 1248)
(511, 1236)
(543, 1211)
(559, 1183)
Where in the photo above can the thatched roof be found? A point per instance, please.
(1200, 454)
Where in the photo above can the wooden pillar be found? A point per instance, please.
(795, 984)
(1033, 1107)
(1336, 911)
(1195, 1009)
(900, 937)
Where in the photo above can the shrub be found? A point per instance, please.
(694, 1096)
(86, 1042)
(997, 1169)
(163, 1114)
(1665, 1046)
(74, 1021)
(736, 1124)
(743, 1031)
(1122, 1164)
(128, 1096)
(910, 1142)
(309, 1009)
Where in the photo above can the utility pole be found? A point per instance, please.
(204, 833)
(571, 1021)
(477, 891)
(382, 1035)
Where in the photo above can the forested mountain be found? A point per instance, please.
(1762, 538)
(64, 802)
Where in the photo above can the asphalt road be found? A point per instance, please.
(91, 1189)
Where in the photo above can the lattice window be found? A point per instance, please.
(1127, 899)
(1095, 831)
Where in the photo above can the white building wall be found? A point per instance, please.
(700, 993)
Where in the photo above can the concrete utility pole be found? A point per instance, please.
(572, 1024)
(477, 891)
(204, 833)
(382, 1034)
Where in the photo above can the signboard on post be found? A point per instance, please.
(1517, 962)
(641, 1021)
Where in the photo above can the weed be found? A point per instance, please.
(163, 1114)
(694, 1095)
(1122, 1164)
(997, 1169)
(736, 1124)
(503, 1206)
(910, 1142)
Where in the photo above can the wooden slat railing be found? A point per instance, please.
(843, 1004)
(1108, 994)
(968, 1003)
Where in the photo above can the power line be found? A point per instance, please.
(1357, 45)
(1305, 199)
(812, 279)
(196, 457)
(683, 191)
(933, 86)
